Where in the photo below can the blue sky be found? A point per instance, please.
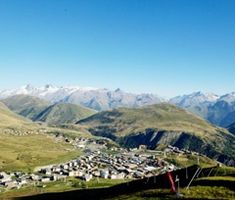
(167, 47)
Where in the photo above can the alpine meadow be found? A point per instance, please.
(117, 100)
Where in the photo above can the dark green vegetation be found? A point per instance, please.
(219, 185)
(62, 113)
(27, 106)
(61, 186)
(160, 125)
(40, 110)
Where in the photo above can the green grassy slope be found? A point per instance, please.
(161, 116)
(64, 113)
(25, 105)
(24, 153)
(218, 186)
(161, 125)
(13, 122)
(24, 146)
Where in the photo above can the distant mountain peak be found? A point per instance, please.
(48, 86)
(194, 99)
(117, 90)
(99, 99)
(28, 87)
(230, 97)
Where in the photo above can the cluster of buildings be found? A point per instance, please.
(18, 132)
(94, 164)
(98, 161)
(180, 151)
(14, 180)
(124, 165)
(83, 143)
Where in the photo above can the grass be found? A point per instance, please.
(160, 125)
(208, 192)
(99, 189)
(24, 153)
(160, 116)
(23, 147)
(218, 178)
(12, 121)
(186, 160)
(27, 106)
(60, 186)
(64, 113)
(37, 109)
(198, 192)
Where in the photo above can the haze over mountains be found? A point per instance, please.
(218, 110)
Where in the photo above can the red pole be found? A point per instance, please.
(169, 176)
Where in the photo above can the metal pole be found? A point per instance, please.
(192, 178)
(178, 185)
(186, 171)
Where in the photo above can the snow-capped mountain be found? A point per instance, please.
(228, 97)
(195, 98)
(103, 99)
(98, 99)
(47, 92)
(219, 110)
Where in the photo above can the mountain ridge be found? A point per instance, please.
(62, 113)
(161, 125)
(217, 109)
(95, 98)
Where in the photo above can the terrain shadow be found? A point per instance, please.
(156, 182)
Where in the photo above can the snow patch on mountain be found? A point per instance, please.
(195, 98)
(99, 99)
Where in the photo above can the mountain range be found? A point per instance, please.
(218, 110)
(154, 124)
(97, 99)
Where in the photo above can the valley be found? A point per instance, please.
(51, 146)
(117, 99)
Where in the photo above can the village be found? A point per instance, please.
(97, 161)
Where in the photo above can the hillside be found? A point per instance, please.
(210, 183)
(27, 106)
(25, 145)
(161, 125)
(12, 122)
(64, 113)
(231, 128)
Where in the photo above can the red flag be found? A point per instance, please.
(169, 176)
